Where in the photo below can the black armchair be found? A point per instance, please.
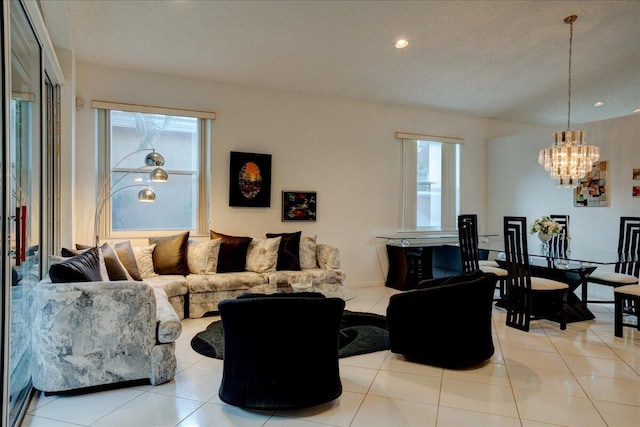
(426, 324)
(280, 351)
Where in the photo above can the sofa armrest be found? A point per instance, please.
(90, 333)
(169, 325)
(328, 257)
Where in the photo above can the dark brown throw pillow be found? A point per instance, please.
(225, 238)
(84, 267)
(288, 251)
(72, 252)
(128, 259)
(170, 254)
(115, 269)
(233, 256)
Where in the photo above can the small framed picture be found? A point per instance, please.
(636, 191)
(636, 174)
(299, 205)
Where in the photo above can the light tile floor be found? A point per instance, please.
(582, 376)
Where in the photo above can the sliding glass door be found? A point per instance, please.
(29, 202)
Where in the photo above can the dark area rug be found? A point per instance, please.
(360, 333)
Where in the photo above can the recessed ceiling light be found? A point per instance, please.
(401, 44)
(598, 104)
(637, 110)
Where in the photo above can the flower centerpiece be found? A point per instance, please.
(545, 227)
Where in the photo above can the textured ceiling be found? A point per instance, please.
(504, 60)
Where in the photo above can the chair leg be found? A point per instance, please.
(618, 306)
(563, 318)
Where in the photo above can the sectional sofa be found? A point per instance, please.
(197, 274)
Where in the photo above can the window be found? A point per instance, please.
(126, 138)
(431, 185)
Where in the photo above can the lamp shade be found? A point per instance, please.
(159, 175)
(154, 159)
(147, 195)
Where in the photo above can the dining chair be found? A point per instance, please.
(627, 268)
(559, 243)
(522, 288)
(627, 301)
(468, 241)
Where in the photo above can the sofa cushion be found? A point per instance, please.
(115, 269)
(84, 267)
(233, 256)
(144, 260)
(308, 258)
(262, 254)
(200, 283)
(227, 238)
(128, 259)
(68, 253)
(172, 284)
(202, 257)
(170, 254)
(289, 251)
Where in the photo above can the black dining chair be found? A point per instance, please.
(468, 241)
(522, 288)
(627, 301)
(559, 243)
(627, 268)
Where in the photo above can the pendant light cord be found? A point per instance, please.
(569, 96)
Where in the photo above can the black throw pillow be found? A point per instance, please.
(84, 267)
(288, 251)
(233, 256)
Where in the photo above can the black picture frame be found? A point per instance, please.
(299, 206)
(250, 180)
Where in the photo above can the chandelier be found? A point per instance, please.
(569, 158)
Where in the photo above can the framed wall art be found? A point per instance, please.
(592, 190)
(636, 191)
(636, 174)
(250, 180)
(299, 205)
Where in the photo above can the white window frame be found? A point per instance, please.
(205, 118)
(450, 181)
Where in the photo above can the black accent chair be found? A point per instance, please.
(280, 350)
(522, 288)
(559, 243)
(469, 252)
(446, 323)
(627, 269)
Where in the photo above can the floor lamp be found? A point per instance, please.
(152, 159)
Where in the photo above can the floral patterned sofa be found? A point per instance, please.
(87, 332)
(197, 274)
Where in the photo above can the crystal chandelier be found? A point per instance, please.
(569, 159)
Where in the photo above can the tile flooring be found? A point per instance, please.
(582, 376)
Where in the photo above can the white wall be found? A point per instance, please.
(518, 185)
(345, 150)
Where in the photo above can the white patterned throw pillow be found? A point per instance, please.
(202, 257)
(144, 259)
(262, 254)
(308, 257)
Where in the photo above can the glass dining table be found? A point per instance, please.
(573, 271)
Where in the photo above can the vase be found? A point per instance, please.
(544, 243)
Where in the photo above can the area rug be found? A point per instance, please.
(360, 333)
